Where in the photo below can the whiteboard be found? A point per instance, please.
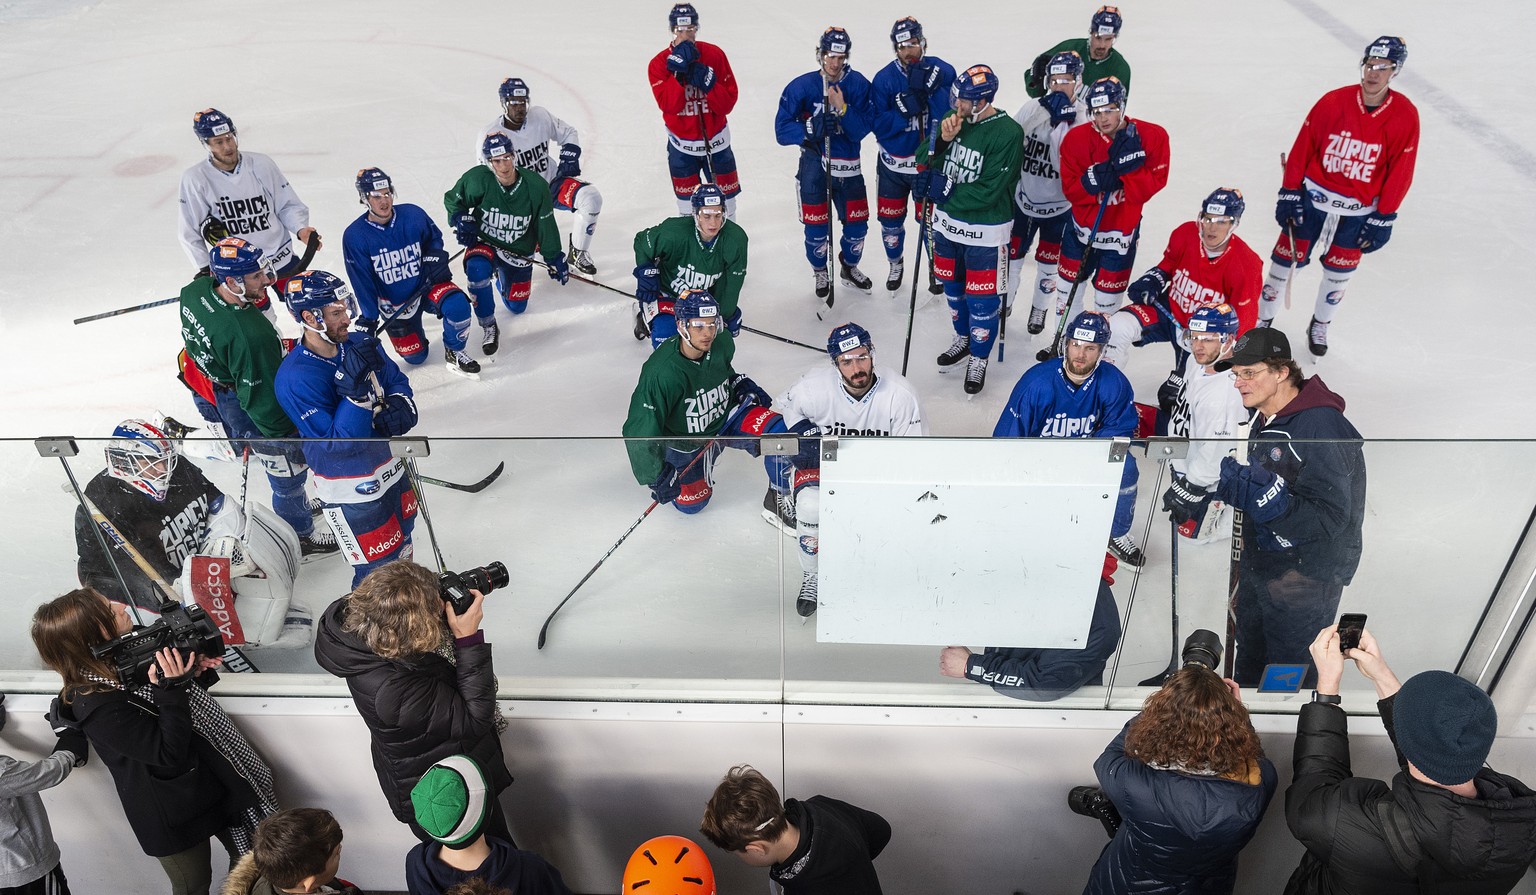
(965, 542)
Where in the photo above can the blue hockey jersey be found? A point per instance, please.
(384, 261)
(346, 470)
(805, 96)
(899, 134)
(1045, 404)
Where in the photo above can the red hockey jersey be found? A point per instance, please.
(1360, 160)
(683, 105)
(1083, 147)
(1194, 281)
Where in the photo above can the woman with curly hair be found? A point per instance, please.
(1191, 783)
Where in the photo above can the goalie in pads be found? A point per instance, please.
(172, 531)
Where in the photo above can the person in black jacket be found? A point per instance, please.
(420, 675)
(1446, 824)
(1191, 783)
(183, 772)
(821, 846)
(1301, 500)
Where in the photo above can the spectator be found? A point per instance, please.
(669, 864)
(1445, 824)
(820, 846)
(29, 858)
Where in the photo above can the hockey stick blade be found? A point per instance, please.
(472, 488)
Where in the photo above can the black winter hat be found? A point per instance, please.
(1444, 725)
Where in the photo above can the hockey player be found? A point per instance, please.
(234, 193)
(395, 260)
(826, 113)
(1097, 50)
(695, 91)
(1302, 499)
(236, 352)
(688, 391)
(1115, 164)
(500, 212)
(907, 98)
(707, 252)
(341, 388)
(968, 173)
(1075, 396)
(1206, 409)
(531, 129)
(843, 398)
(1041, 211)
(1206, 263)
(1351, 166)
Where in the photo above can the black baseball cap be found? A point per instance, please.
(1256, 346)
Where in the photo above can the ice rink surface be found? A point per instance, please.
(98, 98)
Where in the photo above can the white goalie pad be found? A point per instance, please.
(246, 586)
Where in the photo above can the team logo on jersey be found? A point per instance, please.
(369, 487)
(963, 164)
(1351, 158)
(242, 216)
(1334, 297)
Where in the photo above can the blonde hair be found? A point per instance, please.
(397, 610)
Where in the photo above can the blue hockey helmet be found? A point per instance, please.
(976, 84)
(846, 338)
(1106, 92)
(906, 32)
(834, 42)
(211, 123)
(1224, 202)
(1387, 47)
(1220, 319)
(373, 180)
(513, 90)
(683, 15)
(707, 195)
(1066, 63)
(313, 290)
(234, 257)
(1089, 326)
(141, 454)
(495, 145)
(693, 304)
(1106, 21)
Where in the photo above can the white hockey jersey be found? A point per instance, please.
(1039, 192)
(890, 407)
(531, 142)
(1209, 407)
(254, 201)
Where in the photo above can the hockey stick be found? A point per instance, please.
(544, 631)
(826, 157)
(1291, 235)
(925, 245)
(709, 155)
(416, 296)
(783, 339)
(472, 488)
(1157, 680)
(1234, 577)
(1089, 253)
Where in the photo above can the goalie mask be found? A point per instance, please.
(143, 456)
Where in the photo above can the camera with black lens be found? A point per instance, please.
(455, 587)
(1202, 647)
(182, 628)
(1090, 801)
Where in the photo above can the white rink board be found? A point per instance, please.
(979, 542)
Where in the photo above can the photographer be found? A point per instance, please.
(183, 771)
(420, 675)
(1447, 823)
(1190, 780)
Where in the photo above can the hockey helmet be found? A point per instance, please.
(1220, 319)
(1387, 47)
(976, 84)
(513, 90)
(313, 290)
(373, 180)
(669, 865)
(1224, 202)
(211, 123)
(234, 257)
(496, 145)
(707, 195)
(908, 31)
(1105, 21)
(1106, 92)
(1064, 63)
(142, 455)
(694, 304)
(683, 15)
(846, 338)
(1089, 326)
(834, 42)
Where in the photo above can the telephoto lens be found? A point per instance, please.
(1202, 648)
(455, 587)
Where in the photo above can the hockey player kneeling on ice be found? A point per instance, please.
(1043, 675)
(341, 387)
(397, 267)
(1206, 409)
(195, 539)
(689, 392)
(704, 252)
(845, 398)
(1075, 396)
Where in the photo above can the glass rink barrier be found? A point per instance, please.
(940, 572)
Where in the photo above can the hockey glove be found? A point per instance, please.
(559, 270)
(1100, 178)
(1255, 490)
(1060, 106)
(647, 282)
(570, 162)
(1034, 80)
(1148, 287)
(746, 392)
(921, 183)
(666, 488)
(923, 79)
(434, 267)
(365, 325)
(1376, 230)
(1290, 208)
(733, 323)
(395, 417)
(940, 188)
(682, 58)
(465, 229)
(1168, 392)
(809, 455)
(1184, 501)
(910, 104)
(702, 77)
(1125, 153)
(356, 361)
(816, 127)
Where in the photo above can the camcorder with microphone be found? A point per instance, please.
(455, 587)
(182, 628)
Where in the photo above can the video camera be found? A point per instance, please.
(455, 587)
(183, 628)
(1202, 647)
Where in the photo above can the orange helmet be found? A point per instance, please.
(668, 865)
